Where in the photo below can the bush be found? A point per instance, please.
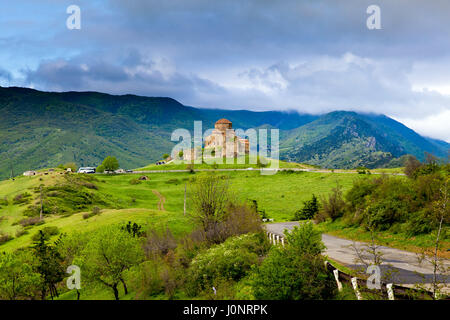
(309, 210)
(4, 202)
(135, 181)
(295, 272)
(22, 198)
(159, 244)
(35, 221)
(47, 231)
(231, 260)
(332, 207)
(173, 181)
(20, 232)
(95, 211)
(5, 237)
(145, 279)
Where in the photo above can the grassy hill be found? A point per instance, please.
(123, 198)
(42, 129)
(349, 140)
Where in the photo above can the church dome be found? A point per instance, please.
(223, 121)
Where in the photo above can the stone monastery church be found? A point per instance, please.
(223, 142)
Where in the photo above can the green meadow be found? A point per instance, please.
(130, 199)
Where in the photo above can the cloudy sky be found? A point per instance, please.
(309, 55)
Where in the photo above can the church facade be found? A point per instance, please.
(223, 142)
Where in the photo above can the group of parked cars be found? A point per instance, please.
(93, 170)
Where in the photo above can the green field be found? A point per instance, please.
(279, 195)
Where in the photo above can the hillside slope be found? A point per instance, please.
(42, 129)
(348, 140)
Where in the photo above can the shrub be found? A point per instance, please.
(309, 210)
(20, 232)
(4, 202)
(95, 211)
(47, 232)
(31, 222)
(231, 260)
(135, 181)
(5, 237)
(295, 272)
(173, 181)
(332, 207)
(159, 243)
(145, 279)
(22, 198)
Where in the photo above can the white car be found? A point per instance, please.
(86, 170)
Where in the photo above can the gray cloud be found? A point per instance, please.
(312, 55)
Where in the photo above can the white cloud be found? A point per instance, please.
(436, 125)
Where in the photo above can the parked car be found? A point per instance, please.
(86, 170)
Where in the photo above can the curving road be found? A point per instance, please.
(408, 269)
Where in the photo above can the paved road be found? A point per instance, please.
(342, 251)
(256, 169)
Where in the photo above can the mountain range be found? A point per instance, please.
(42, 129)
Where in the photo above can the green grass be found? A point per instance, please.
(280, 195)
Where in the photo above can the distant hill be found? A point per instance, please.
(42, 129)
(343, 139)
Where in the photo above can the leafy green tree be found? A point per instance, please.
(296, 271)
(309, 210)
(165, 155)
(110, 163)
(49, 265)
(100, 169)
(108, 255)
(18, 280)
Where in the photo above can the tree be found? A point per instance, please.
(295, 271)
(17, 277)
(110, 164)
(100, 169)
(411, 166)
(441, 215)
(309, 210)
(209, 199)
(333, 206)
(49, 265)
(165, 156)
(108, 255)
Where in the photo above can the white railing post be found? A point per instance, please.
(390, 291)
(336, 276)
(355, 287)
